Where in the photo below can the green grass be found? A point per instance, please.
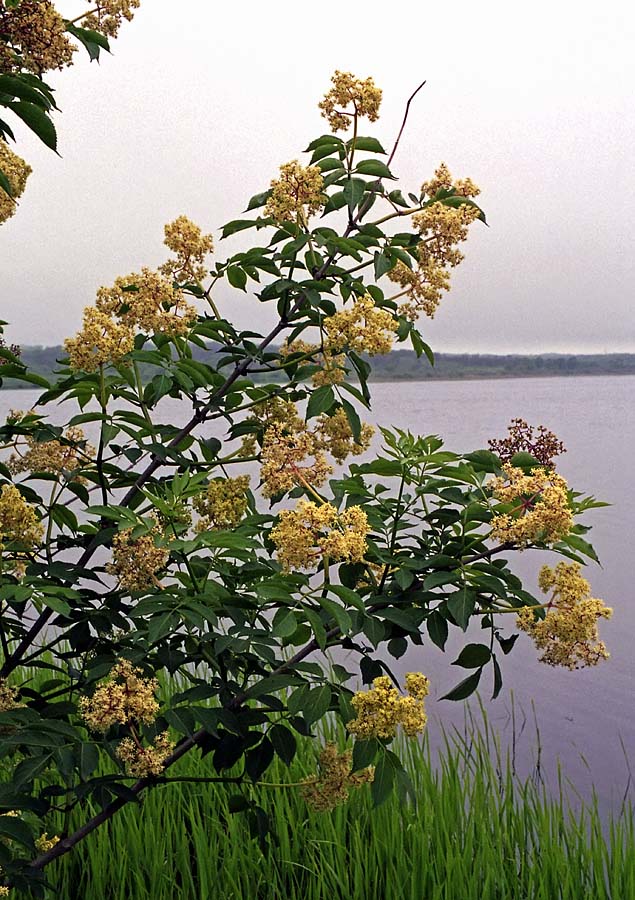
(475, 831)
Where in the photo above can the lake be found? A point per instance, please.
(586, 717)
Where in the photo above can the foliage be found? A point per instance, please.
(148, 553)
(35, 38)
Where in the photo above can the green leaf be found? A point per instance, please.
(464, 688)
(14, 86)
(15, 829)
(461, 606)
(316, 703)
(258, 200)
(383, 263)
(93, 41)
(473, 656)
(284, 743)
(5, 184)
(354, 191)
(321, 400)
(437, 629)
(364, 753)
(237, 277)
(37, 120)
(353, 419)
(498, 679)
(382, 784)
(368, 144)
(237, 225)
(455, 202)
(88, 759)
(284, 623)
(374, 167)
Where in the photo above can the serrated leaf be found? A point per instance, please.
(437, 629)
(237, 277)
(321, 400)
(37, 120)
(368, 144)
(461, 606)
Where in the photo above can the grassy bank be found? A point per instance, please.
(474, 831)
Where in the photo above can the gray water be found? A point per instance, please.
(586, 717)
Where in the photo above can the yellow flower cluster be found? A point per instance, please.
(8, 698)
(442, 181)
(276, 411)
(331, 786)
(33, 37)
(335, 435)
(442, 228)
(17, 172)
(45, 843)
(107, 15)
(296, 195)
(541, 511)
(424, 284)
(223, 504)
(18, 520)
(362, 95)
(191, 246)
(136, 560)
(309, 532)
(331, 369)
(148, 300)
(100, 342)
(284, 460)
(124, 698)
(568, 634)
(142, 762)
(382, 709)
(53, 456)
(362, 327)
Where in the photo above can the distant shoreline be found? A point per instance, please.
(404, 365)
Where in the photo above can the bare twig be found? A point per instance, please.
(403, 124)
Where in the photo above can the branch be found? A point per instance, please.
(403, 124)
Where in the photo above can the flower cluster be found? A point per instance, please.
(223, 504)
(142, 762)
(543, 444)
(148, 300)
(362, 327)
(285, 460)
(187, 241)
(424, 286)
(45, 843)
(17, 172)
(124, 698)
(309, 532)
(8, 697)
(135, 561)
(335, 435)
(381, 710)
(568, 634)
(540, 507)
(53, 456)
(441, 227)
(296, 195)
(331, 786)
(362, 95)
(108, 14)
(100, 342)
(34, 37)
(18, 520)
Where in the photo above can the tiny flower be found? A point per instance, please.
(540, 510)
(296, 195)
(223, 504)
(143, 762)
(136, 561)
(362, 327)
(16, 172)
(306, 534)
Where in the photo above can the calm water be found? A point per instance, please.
(586, 718)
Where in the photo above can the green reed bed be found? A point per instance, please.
(474, 831)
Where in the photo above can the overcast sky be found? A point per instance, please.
(202, 101)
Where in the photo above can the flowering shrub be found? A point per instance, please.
(154, 552)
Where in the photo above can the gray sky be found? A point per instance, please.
(202, 101)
